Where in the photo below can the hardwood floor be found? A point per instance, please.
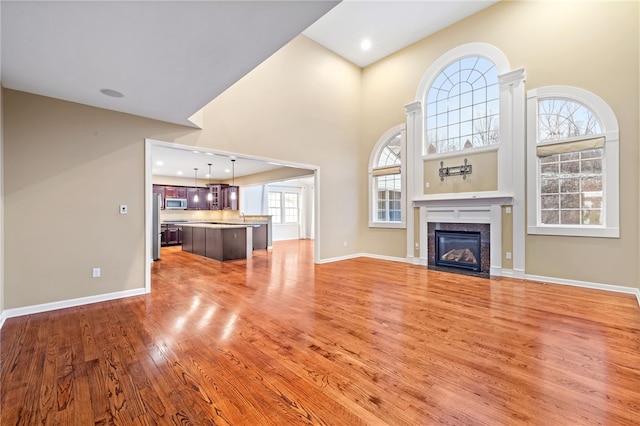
(277, 340)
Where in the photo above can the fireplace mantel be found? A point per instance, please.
(464, 199)
(478, 207)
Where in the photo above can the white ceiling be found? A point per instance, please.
(170, 58)
(389, 25)
(184, 160)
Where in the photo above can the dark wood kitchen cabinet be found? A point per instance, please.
(230, 198)
(175, 191)
(171, 234)
(202, 203)
(159, 189)
(221, 198)
(260, 237)
(216, 196)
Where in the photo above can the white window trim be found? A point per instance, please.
(282, 190)
(375, 154)
(483, 50)
(611, 214)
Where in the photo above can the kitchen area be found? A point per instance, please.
(206, 221)
(201, 213)
(222, 206)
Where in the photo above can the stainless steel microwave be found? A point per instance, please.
(175, 203)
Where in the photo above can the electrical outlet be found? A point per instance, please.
(508, 255)
(427, 185)
(417, 246)
(345, 243)
(96, 272)
(123, 209)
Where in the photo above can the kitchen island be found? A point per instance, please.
(218, 241)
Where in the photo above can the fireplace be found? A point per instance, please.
(458, 249)
(462, 248)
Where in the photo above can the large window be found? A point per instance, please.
(573, 164)
(386, 180)
(284, 207)
(462, 107)
(275, 206)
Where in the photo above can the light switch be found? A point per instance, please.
(507, 210)
(123, 209)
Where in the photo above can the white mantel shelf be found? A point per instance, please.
(466, 199)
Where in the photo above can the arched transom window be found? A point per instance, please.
(462, 107)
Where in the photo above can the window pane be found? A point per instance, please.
(561, 118)
(290, 207)
(390, 154)
(467, 90)
(389, 198)
(577, 177)
(275, 207)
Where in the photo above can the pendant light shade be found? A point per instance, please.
(210, 194)
(195, 197)
(233, 177)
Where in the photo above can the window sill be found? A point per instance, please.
(575, 231)
(461, 153)
(392, 225)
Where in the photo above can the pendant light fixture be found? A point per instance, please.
(210, 194)
(195, 197)
(233, 177)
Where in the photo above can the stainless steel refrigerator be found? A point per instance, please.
(156, 231)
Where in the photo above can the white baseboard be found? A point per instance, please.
(586, 284)
(372, 256)
(45, 307)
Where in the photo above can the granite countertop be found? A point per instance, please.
(221, 222)
(215, 225)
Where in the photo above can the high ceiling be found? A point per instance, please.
(170, 58)
(388, 25)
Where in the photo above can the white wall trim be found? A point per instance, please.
(62, 304)
(369, 255)
(150, 143)
(585, 284)
(610, 227)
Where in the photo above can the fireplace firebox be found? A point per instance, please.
(458, 249)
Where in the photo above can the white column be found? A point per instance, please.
(414, 171)
(513, 161)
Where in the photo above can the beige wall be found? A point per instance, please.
(592, 45)
(67, 169)
(483, 177)
(302, 106)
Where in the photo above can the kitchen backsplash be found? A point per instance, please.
(222, 215)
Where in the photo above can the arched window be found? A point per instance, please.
(386, 180)
(572, 163)
(462, 106)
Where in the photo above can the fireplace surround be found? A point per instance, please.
(468, 209)
(463, 248)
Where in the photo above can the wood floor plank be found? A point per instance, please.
(276, 340)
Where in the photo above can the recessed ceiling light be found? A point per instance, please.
(366, 44)
(227, 171)
(196, 152)
(179, 173)
(159, 163)
(207, 175)
(209, 153)
(112, 93)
